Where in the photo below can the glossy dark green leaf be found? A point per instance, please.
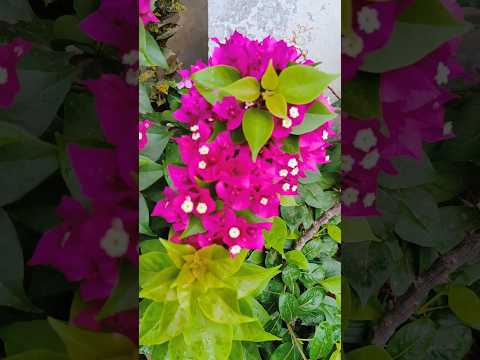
(288, 307)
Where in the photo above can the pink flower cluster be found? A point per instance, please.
(413, 111)
(146, 13)
(220, 185)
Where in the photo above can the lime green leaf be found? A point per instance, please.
(465, 303)
(152, 263)
(288, 201)
(158, 286)
(257, 127)
(245, 89)
(369, 352)
(176, 252)
(147, 246)
(252, 331)
(177, 350)
(288, 307)
(270, 79)
(277, 105)
(149, 172)
(277, 236)
(315, 117)
(334, 232)
(427, 17)
(252, 279)
(358, 230)
(297, 258)
(222, 307)
(301, 84)
(333, 284)
(194, 227)
(82, 344)
(210, 80)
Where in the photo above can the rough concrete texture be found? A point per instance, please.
(313, 25)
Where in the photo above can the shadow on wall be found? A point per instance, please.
(190, 43)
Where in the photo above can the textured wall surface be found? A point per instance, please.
(314, 25)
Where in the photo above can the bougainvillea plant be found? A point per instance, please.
(252, 125)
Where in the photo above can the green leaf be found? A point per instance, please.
(253, 332)
(288, 201)
(322, 342)
(39, 355)
(333, 284)
(297, 258)
(287, 351)
(82, 344)
(67, 27)
(276, 237)
(12, 11)
(222, 307)
(291, 144)
(245, 89)
(361, 96)
(270, 79)
(210, 80)
(346, 17)
(149, 172)
(413, 340)
(314, 196)
(315, 117)
(334, 232)
(311, 300)
(301, 84)
(288, 307)
(427, 17)
(27, 160)
(277, 105)
(357, 230)
(465, 303)
(314, 275)
(83, 8)
(257, 127)
(144, 99)
(143, 216)
(370, 352)
(156, 284)
(151, 54)
(252, 279)
(194, 227)
(80, 118)
(158, 137)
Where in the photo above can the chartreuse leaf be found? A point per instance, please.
(12, 293)
(270, 79)
(221, 306)
(252, 279)
(152, 263)
(334, 232)
(277, 236)
(288, 201)
(176, 252)
(315, 117)
(277, 105)
(297, 258)
(210, 80)
(82, 344)
(178, 350)
(194, 227)
(465, 303)
(301, 84)
(257, 127)
(245, 89)
(158, 286)
(369, 352)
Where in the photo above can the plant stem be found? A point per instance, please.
(438, 274)
(310, 233)
(296, 341)
(334, 93)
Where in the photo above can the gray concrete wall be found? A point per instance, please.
(314, 25)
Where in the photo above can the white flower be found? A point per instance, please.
(365, 140)
(327, 158)
(294, 188)
(202, 165)
(264, 201)
(370, 160)
(369, 199)
(294, 113)
(292, 163)
(287, 123)
(140, 135)
(196, 136)
(448, 128)
(234, 232)
(286, 187)
(194, 128)
(3, 75)
(187, 205)
(325, 135)
(204, 150)
(352, 45)
(368, 20)
(350, 196)
(18, 50)
(116, 240)
(202, 208)
(347, 163)
(442, 74)
(295, 171)
(235, 250)
(283, 173)
(130, 58)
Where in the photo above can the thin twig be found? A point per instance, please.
(296, 341)
(324, 219)
(334, 93)
(438, 274)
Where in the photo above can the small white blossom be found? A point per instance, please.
(194, 128)
(295, 171)
(365, 140)
(196, 136)
(370, 160)
(202, 165)
(442, 74)
(3, 75)
(204, 150)
(283, 173)
(347, 163)
(294, 188)
(294, 113)
(287, 123)
(234, 232)
(325, 135)
(369, 199)
(202, 208)
(352, 45)
(116, 240)
(235, 250)
(448, 128)
(130, 58)
(286, 187)
(368, 20)
(140, 135)
(187, 205)
(327, 158)
(292, 163)
(18, 50)
(264, 201)
(350, 196)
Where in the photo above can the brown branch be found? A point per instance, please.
(310, 233)
(296, 341)
(334, 93)
(438, 274)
